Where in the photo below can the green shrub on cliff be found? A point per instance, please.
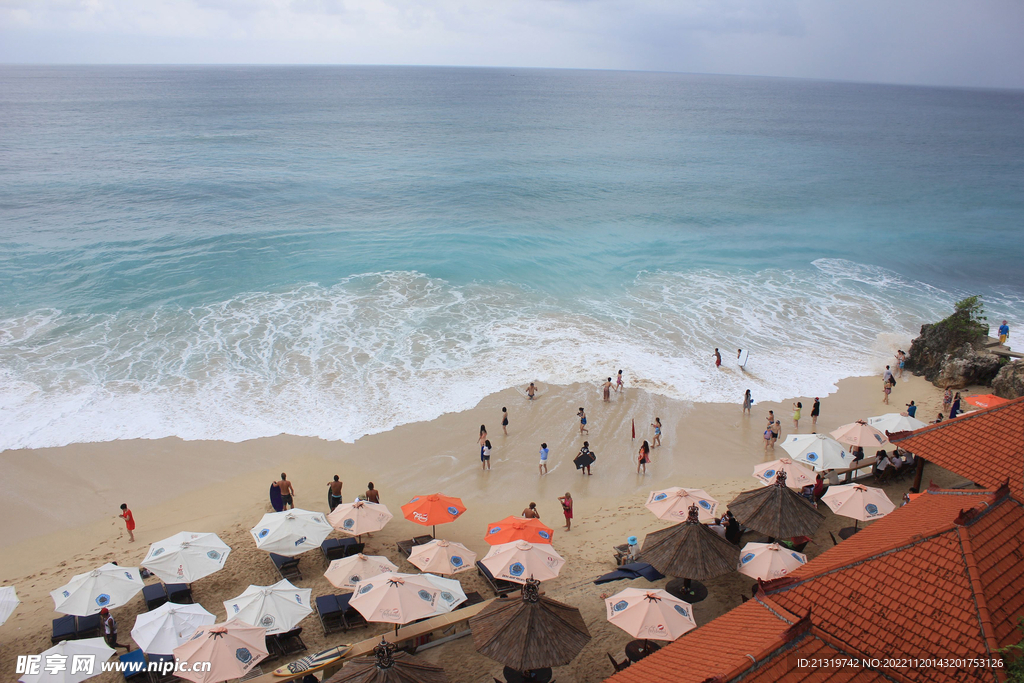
(967, 324)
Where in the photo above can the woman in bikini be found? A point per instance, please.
(583, 421)
(607, 389)
(656, 441)
(644, 458)
(619, 386)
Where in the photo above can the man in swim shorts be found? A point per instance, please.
(530, 391)
(335, 494)
(287, 491)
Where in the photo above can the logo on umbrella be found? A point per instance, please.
(298, 598)
(812, 456)
(455, 560)
(414, 499)
(768, 474)
(263, 533)
(545, 535)
(682, 610)
(267, 621)
(129, 575)
(620, 605)
(354, 578)
(494, 530)
(243, 655)
(747, 558)
(704, 504)
(300, 541)
(871, 509)
(348, 523)
(65, 593)
(799, 558)
(660, 496)
(157, 551)
(102, 599)
(213, 555)
(424, 595)
(453, 511)
(447, 597)
(516, 569)
(366, 589)
(235, 607)
(420, 517)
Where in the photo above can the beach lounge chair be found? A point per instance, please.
(273, 647)
(351, 617)
(500, 587)
(159, 677)
(354, 548)
(634, 570)
(135, 668)
(155, 595)
(291, 642)
(331, 615)
(618, 666)
(287, 567)
(89, 627)
(337, 548)
(405, 547)
(472, 598)
(63, 629)
(179, 593)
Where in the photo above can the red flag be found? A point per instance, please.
(633, 423)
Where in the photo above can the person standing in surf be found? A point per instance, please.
(644, 457)
(531, 391)
(656, 441)
(619, 386)
(485, 456)
(815, 411)
(606, 389)
(797, 409)
(747, 401)
(583, 422)
(718, 359)
(504, 420)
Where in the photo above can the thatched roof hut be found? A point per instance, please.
(776, 510)
(387, 667)
(690, 550)
(529, 632)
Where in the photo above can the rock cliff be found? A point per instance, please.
(1009, 383)
(952, 352)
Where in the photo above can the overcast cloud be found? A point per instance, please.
(941, 42)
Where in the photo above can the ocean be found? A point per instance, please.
(236, 252)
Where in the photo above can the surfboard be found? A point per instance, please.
(584, 460)
(313, 662)
(742, 360)
(275, 498)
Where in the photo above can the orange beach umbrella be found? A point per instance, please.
(984, 400)
(518, 529)
(434, 509)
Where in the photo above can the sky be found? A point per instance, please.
(972, 43)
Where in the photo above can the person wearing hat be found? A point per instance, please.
(110, 630)
(633, 548)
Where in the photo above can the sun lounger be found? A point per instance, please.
(499, 586)
(354, 548)
(63, 629)
(405, 547)
(287, 567)
(291, 642)
(155, 595)
(331, 615)
(472, 598)
(337, 548)
(634, 570)
(89, 627)
(159, 677)
(352, 617)
(179, 593)
(135, 665)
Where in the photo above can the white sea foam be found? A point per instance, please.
(383, 349)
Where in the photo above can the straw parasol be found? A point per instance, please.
(776, 510)
(518, 529)
(387, 667)
(674, 504)
(690, 550)
(529, 632)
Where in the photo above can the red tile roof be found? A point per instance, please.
(941, 576)
(986, 446)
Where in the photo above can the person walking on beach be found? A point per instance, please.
(797, 408)
(589, 457)
(129, 521)
(776, 433)
(372, 494)
(656, 441)
(771, 418)
(583, 421)
(566, 502)
(543, 459)
(531, 391)
(504, 420)
(718, 359)
(607, 389)
(644, 457)
(815, 412)
(335, 494)
(287, 492)
(747, 401)
(886, 390)
(110, 631)
(619, 386)
(485, 456)
(887, 375)
(531, 512)
(901, 360)
(1004, 332)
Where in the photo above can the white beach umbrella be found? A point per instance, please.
(797, 474)
(674, 503)
(860, 433)
(291, 532)
(360, 517)
(276, 608)
(895, 422)
(442, 557)
(857, 501)
(8, 601)
(820, 451)
(518, 561)
(650, 614)
(65, 653)
(159, 631)
(451, 596)
(396, 598)
(767, 561)
(107, 586)
(348, 571)
(186, 557)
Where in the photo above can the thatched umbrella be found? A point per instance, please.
(690, 551)
(387, 667)
(776, 510)
(529, 632)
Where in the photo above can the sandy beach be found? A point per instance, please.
(62, 503)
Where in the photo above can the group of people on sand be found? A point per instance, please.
(565, 501)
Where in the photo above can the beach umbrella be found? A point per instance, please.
(529, 632)
(360, 517)
(442, 557)
(395, 598)
(159, 631)
(348, 571)
(66, 651)
(863, 503)
(895, 422)
(107, 586)
(776, 510)
(387, 667)
(518, 529)
(674, 504)
(232, 648)
(820, 451)
(768, 561)
(432, 510)
(797, 474)
(860, 433)
(186, 557)
(984, 400)
(650, 614)
(291, 532)
(451, 595)
(8, 602)
(519, 561)
(689, 550)
(277, 608)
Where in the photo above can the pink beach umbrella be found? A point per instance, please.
(442, 557)
(395, 598)
(349, 571)
(797, 474)
(860, 433)
(863, 503)
(674, 504)
(233, 648)
(519, 561)
(360, 517)
(768, 561)
(650, 614)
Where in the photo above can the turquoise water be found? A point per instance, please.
(236, 252)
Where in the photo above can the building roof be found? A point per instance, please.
(938, 577)
(986, 446)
